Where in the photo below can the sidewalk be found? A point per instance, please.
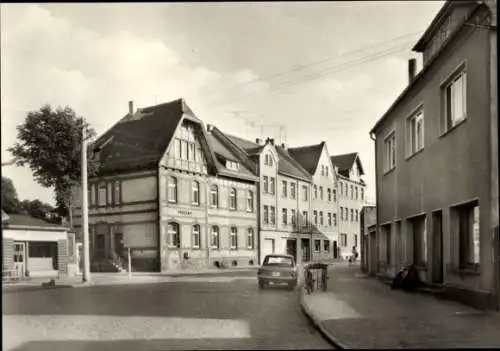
(99, 279)
(361, 312)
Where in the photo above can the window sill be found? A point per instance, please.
(233, 248)
(389, 171)
(196, 248)
(173, 248)
(414, 154)
(451, 129)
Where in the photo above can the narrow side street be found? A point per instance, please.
(188, 314)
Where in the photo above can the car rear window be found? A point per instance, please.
(278, 261)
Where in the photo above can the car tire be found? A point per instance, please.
(262, 285)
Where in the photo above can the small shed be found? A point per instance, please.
(33, 247)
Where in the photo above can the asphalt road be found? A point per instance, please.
(207, 313)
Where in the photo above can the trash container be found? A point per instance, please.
(315, 276)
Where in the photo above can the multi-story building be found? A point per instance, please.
(350, 191)
(283, 195)
(437, 160)
(168, 191)
(323, 206)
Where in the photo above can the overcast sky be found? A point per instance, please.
(325, 70)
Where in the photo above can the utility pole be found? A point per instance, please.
(85, 212)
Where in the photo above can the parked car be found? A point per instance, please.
(277, 269)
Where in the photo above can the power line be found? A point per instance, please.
(303, 67)
(325, 72)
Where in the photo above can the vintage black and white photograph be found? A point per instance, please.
(250, 175)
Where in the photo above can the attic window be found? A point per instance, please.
(234, 166)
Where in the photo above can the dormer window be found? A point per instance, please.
(268, 160)
(234, 166)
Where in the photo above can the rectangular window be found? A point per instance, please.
(109, 192)
(341, 213)
(321, 222)
(266, 214)
(184, 155)
(232, 199)
(419, 240)
(334, 195)
(195, 237)
(468, 229)
(315, 217)
(390, 152)
(293, 218)
(415, 133)
(326, 244)
(334, 219)
(329, 195)
(362, 194)
(272, 186)
(250, 201)
(173, 235)
(196, 193)
(284, 189)
(321, 193)
(102, 194)
(355, 240)
(117, 192)
(284, 216)
(356, 191)
(352, 215)
(305, 219)
(343, 240)
(357, 214)
(273, 215)
(214, 237)
(234, 238)
(292, 190)
(266, 184)
(326, 171)
(352, 192)
(178, 151)
(315, 192)
(329, 219)
(455, 100)
(304, 193)
(250, 239)
(191, 155)
(341, 188)
(317, 245)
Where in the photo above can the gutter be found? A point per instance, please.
(377, 207)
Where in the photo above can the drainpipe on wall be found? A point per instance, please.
(207, 226)
(377, 207)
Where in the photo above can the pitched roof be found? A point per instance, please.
(140, 140)
(308, 156)
(222, 154)
(28, 221)
(286, 165)
(344, 162)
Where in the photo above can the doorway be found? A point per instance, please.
(100, 245)
(118, 243)
(437, 247)
(306, 250)
(20, 259)
(335, 249)
(291, 248)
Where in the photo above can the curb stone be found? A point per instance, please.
(318, 324)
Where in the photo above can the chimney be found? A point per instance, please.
(271, 140)
(131, 107)
(412, 68)
(258, 141)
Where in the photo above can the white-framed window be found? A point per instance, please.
(329, 219)
(195, 236)
(234, 238)
(334, 215)
(341, 213)
(266, 214)
(273, 215)
(292, 190)
(455, 100)
(195, 193)
(352, 192)
(265, 180)
(341, 188)
(329, 191)
(109, 193)
(250, 238)
(326, 171)
(214, 237)
(322, 170)
(326, 245)
(357, 215)
(343, 240)
(356, 192)
(315, 217)
(284, 188)
(390, 152)
(315, 193)
(173, 237)
(284, 216)
(268, 160)
(172, 189)
(293, 218)
(272, 186)
(304, 193)
(232, 199)
(346, 188)
(305, 219)
(250, 201)
(415, 133)
(317, 245)
(467, 219)
(321, 221)
(102, 194)
(214, 196)
(334, 192)
(362, 194)
(321, 193)
(352, 215)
